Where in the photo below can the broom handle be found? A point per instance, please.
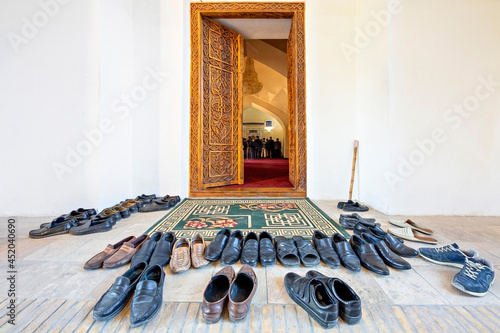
(354, 157)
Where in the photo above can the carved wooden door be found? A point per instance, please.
(221, 114)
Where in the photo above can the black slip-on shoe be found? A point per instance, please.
(250, 252)
(347, 256)
(267, 252)
(216, 246)
(232, 250)
(117, 296)
(148, 296)
(368, 255)
(324, 246)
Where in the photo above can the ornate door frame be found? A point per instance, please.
(296, 93)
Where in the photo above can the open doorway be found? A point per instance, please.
(217, 153)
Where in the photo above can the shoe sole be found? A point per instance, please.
(461, 288)
(349, 320)
(441, 262)
(113, 314)
(54, 234)
(148, 319)
(91, 231)
(305, 307)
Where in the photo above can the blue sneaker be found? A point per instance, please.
(476, 277)
(449, 255)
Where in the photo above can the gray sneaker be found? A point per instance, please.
(476, 277)
(449, 255)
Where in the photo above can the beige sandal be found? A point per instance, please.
(410, 224)
(409, 234)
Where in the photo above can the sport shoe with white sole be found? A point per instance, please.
(476, 277)
(449, 255)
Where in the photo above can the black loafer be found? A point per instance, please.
(53, 229)
(347, 256)
(395, 244)
(325, 249)
(349, 301)
(216, 246)
(116, 297)
(362, 227)
(146, 250)
(250, 252)
(313, 296)
(368, 255)
(267, 253)
(390, 258)
(148, 296)
(163, 250)
(232, 251)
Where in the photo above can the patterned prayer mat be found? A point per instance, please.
(279, 217)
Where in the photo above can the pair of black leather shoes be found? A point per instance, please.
(374, 254)
(63, 224)
(157, 250)
(325, 249)
(255, 248)
(396, 244)
(146, 283)
(324, 298)
(226, 245)
(349, 221)
(156, 204)
(347, 256)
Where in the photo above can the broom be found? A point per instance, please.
(354, 157)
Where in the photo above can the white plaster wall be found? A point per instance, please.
(64, 80)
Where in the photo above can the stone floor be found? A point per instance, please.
(55, 293)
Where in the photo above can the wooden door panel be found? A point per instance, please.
(221, 105)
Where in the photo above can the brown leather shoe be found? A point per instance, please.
(97, 260)
(241, 293)
(125, 253)
(198, 251)
(181, 259)
(215, 294)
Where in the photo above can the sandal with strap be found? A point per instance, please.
(313, 296)
(308, 255)
(287, 252)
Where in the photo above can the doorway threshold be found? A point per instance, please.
(248, 192)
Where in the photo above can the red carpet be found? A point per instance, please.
(265, 173)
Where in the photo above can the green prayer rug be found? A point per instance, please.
(280, 217)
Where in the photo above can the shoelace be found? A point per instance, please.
(472, 269)
(447, 248)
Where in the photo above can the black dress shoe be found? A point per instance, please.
(362, 227)
(349, 301)
(324, 246)
(232, 251)
(148, 296)
(348, 221)
(146, 250)
(267, 252)
(395, 244)
(347, 256)
(116, 297)
(389, 257)
(314, 296)
(163, 250)
(368, 255)
(250, 252)
(216, 246)
(53, 229)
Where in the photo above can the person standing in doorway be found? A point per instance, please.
(258, 147)
(270, 147)
(277, 148)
